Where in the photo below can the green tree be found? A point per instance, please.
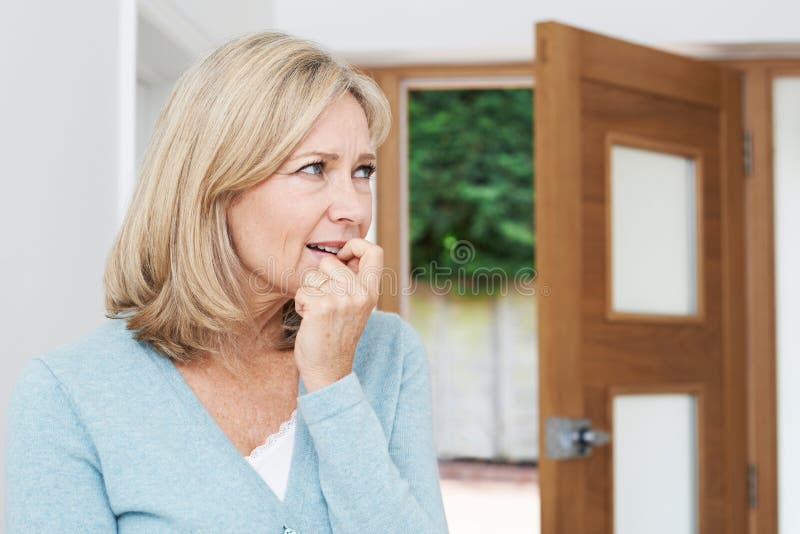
(471, 179)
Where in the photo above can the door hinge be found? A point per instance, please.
(752, 485)
(747, 150)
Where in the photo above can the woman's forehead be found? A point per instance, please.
(340, 130)
(330, 155)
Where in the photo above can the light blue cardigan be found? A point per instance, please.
(104, 435)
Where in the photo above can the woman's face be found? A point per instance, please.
(321, 194)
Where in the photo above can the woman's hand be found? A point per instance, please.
(334, 314)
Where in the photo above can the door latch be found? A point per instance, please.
(567, 438)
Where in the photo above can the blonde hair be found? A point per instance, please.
(231, 120)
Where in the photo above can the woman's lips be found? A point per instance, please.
(337, 244)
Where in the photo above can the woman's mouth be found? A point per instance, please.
(324, 248)
(320, 252)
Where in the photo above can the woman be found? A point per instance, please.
(240, 295)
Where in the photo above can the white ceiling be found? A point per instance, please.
(373, 31)
(172, 34)
(379, 32)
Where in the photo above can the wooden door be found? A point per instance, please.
(614, 343)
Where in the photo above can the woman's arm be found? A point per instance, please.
(371, 485)
(53, 478)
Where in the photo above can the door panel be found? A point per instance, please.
(593, 94)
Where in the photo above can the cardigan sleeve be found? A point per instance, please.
(372, 485)
(53, 477)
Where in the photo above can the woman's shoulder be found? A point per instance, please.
(106, 350)
(102, 362)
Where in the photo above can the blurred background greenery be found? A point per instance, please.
(470, 171)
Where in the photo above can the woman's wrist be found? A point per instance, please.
(314, 382)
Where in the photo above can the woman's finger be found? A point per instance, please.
(314, 278)
(370, 261)
(342, 279)
(348, 251)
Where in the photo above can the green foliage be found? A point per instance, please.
(471, 179)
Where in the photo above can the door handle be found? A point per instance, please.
(567, 438)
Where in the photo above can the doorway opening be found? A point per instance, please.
(471, 259)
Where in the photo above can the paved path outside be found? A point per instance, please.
(483, 498)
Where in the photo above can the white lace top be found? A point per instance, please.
(273, 459)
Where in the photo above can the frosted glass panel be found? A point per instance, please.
(786, 121)
(653, 232)
(655, 464)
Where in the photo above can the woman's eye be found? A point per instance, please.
(317, 168)
(365, 171)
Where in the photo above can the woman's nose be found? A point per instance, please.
(349, 202)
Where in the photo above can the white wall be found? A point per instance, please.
(786, 113)
(150, 100)
(66, 73)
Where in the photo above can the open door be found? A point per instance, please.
(639, 206)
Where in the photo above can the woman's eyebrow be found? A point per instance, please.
(332, 155)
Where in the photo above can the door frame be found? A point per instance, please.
(759, 236)
(392, 197)
(762, 416)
